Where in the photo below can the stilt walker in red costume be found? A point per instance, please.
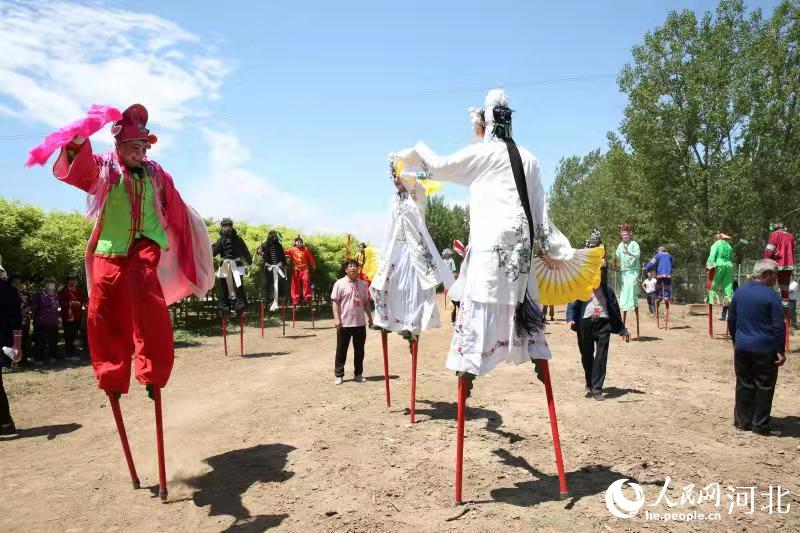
(780, 248)
(301, 259)
(147, 250)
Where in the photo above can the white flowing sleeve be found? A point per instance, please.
(462, 167)
(429, 265)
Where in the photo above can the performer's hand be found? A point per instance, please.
(369, 323)
(626, 336)
(337, 323)
(781, 359)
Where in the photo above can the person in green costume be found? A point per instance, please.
(720, 259)
(626, 260)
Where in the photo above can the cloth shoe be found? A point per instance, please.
(359, 379)
(338, 381)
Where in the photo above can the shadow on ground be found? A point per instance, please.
(786, 426)
(381, 378)
(587, 481)
(614, 392)
(263, 354)
(448, 411)
(644, 338)
(232, 474)
(51, 432)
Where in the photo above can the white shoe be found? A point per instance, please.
(338, 381)
(359, 379)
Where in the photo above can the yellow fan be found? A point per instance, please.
(562, 282)
(431, 186)
(371, 255)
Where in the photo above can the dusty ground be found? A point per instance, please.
(267, 441)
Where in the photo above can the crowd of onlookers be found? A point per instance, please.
(49, 315)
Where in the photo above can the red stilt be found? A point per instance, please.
(262, 320)
(294, 314)
(162, 469)
(551, 406)
(414, 345)
(311, 306)
(445, 298)
(462, 407)
(385, 345)
(225, 334)
(123, 438)
(666, 316)
(658, 318)
(710, 320)
(241, 334)
(636, 310)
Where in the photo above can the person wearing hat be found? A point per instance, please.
(235, 256)
(147, 250)
(404, 288)
(720, 260)
(511, 240)
(756, 325)
(595, 319)
(302, 260)
(45, 323)
(626, 260)
(274, 282)
(662, 263)
(72, 302)
(780, 248)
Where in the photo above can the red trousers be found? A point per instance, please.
(128, 317)
(301, 281)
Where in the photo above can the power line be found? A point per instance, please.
(531, 83)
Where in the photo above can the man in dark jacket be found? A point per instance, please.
(235, 255)
(594, 321)
(10, 320)
(757, 329)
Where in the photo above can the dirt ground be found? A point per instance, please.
(267, 441)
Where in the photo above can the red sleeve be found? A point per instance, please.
(310, 258)
(772, 244)
(81, 170)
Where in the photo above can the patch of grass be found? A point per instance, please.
(185, 339)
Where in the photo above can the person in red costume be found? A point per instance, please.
(147, 250)
(301, 259)
(780, 248)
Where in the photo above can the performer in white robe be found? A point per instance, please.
(404, 288)
(497, 272)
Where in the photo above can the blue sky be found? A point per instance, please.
(284, 112)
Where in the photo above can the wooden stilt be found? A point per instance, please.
(462, 407)
(241, 334)
(666, 315)
(123, 438)
(225, 334)
(385, 345)
(414, 345)
(710, 320)
(551, 407)
(262, 320)
(162, 469)
(636, 310)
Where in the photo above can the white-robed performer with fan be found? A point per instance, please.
(410, 269)
(516, 260)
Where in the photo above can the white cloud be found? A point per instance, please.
(58, 58)
(231, 189)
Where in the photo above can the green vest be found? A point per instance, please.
(118, 225)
